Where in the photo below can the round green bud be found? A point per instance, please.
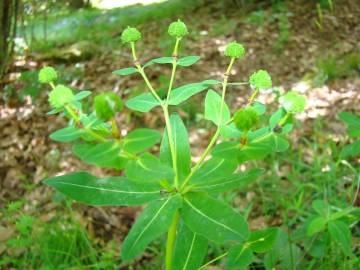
(178, 29)
(107, 104)
(130, 34)
(245, 119)
(60, 96)
(260, 80)
(47, 75)
(234, 50)
(292, 102)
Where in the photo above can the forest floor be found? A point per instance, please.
(322, 64)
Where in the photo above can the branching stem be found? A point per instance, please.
(217, 133)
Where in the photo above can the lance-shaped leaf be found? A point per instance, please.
(154, 221)
(68, 134)
(188, 60)
(148, 169)
(259, 107)
(142, 103)
(226, 150)
(262, 146)
(213, 106)
(257, 149)
(239, 257)
(82, 94)
(237, 180)
(261, 241)
(160, 60)
(340, 233)
(230, 131)
(86, 188)
(276, 117)
(213, 168)
(213, 219)
(351, 150)
(353, 123)
(182, 147)
(106, 155)
(190, 249)
(280, 143)
(182, 93)
(141, 139)
(125, 71)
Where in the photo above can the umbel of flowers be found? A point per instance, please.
(184, 201)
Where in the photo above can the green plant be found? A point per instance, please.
(184, 201)
(61, 243)
(284, 26)
(335, 67)
(353, 123)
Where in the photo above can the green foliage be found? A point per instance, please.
(335, 67)
(190, 249)
(353, 123)
(154, 221)
(213, 109)
(213, 219)
(184, 199)
(88, 189)
(60, 243)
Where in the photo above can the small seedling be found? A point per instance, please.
(183, 198)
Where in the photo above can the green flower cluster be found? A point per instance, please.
(178, 29)
(60, 96)
(130, 34)
(292, 102)
(246, 119)
(260, 80)
(107, 104)
(47, 75)
(234, 50)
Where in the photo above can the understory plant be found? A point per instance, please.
(183, 196)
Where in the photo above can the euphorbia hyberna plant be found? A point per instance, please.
(184, 199)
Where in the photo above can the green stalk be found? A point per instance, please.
(114, 128)
(172, 145)
(217, 133)
(72, 113)
(167, 117)
(251, 99)
(171, 236)
(283, 120)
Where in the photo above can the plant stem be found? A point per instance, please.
(164, 106)
(172, 230)
(114, 128)
(213, 260)
(133, 50)
(283, 120)
(217, 133)
(166, 114)
(171, 236)
(251, 99)
(72, 113)
(172, 145)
